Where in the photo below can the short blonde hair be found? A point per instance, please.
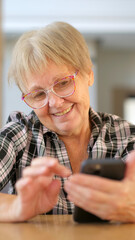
(59, 42)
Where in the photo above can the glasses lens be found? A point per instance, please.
(64, 87)
(36, 99)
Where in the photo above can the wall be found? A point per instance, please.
(11, 96)
(89, 16)
(1, 64)
(108, 25)
(116, 71)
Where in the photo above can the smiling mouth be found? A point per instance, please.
(64, 112)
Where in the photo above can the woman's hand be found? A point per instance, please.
(37, 190)
(108, 199)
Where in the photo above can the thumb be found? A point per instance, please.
(130, 168)
(53, 191)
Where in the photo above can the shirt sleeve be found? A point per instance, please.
(128, 148)
(125, 139)
(13, 140)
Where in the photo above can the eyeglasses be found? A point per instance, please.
(62, 88)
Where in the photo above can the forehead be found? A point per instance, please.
(48, 77)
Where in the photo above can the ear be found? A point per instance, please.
(91, 78)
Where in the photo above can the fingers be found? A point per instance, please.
(41, 182)
(28, 187)
(90, 200)
(84, 194)
(96, 183)
(36, 195)
(48, 160)
(96, 195)
(130, 169)
(107, 199)
(22, 183)
(46, 166)
(54, 189)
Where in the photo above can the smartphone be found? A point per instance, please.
(108, 168)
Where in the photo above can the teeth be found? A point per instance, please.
(64, 112)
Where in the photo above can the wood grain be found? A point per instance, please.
(62, 227)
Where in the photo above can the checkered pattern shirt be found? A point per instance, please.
(24, 138)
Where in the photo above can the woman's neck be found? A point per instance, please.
(76, 146)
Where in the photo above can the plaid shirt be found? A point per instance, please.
(24, 138)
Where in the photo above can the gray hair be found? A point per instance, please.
(59, 42)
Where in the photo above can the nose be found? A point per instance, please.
(54, 101)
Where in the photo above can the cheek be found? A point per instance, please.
(43, 112)
(81, 94)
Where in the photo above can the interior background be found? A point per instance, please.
(109, 29)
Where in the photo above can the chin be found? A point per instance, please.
(66, 130)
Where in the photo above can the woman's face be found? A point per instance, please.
(65, 116)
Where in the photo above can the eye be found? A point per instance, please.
(63, 83)
(38, 95)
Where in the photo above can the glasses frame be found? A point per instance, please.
(51, 90)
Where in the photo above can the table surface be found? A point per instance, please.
(62, 227)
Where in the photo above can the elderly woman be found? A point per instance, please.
(53, 70)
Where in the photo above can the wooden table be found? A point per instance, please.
(62, 227)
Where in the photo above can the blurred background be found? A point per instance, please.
(109, 29)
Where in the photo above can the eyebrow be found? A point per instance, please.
(36, 87)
